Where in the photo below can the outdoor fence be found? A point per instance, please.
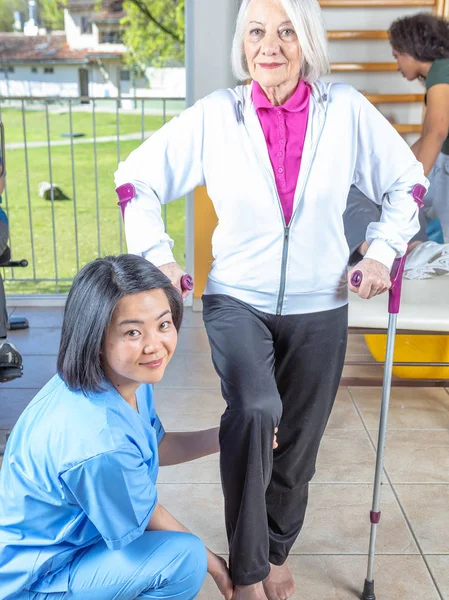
(60, 157)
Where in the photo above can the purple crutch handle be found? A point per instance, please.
(356, 278)
(125, 193)
(394, 293)
(187, 283)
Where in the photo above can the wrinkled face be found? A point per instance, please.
(271, 45)
(407, 65)
(140, 339)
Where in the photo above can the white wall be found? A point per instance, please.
(76, 40)
(209, 32)
(376, 18)
(72, 26)
(64, 82)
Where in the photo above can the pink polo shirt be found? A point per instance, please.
(285, 129)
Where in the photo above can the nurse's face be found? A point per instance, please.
(140, 340)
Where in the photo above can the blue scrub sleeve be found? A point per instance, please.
(116, 493)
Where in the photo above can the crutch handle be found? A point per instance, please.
(394, 293)
(356, 278)
(187, 282)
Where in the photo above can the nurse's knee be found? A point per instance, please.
(194, 556)
(196, 559)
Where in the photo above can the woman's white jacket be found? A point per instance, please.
(278, 269)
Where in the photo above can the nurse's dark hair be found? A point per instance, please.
(422, 36)
(91, 302)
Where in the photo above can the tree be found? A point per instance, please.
(7, 8)
(153, 32)
(49, 13)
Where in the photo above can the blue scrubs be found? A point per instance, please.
(77, 489)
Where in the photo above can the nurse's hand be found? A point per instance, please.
(218, 569)
(375, 278)
(174, 272)
(275, 439)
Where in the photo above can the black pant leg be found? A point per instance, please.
(243, 356)
(310, 351)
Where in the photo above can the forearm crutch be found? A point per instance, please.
(394, 302)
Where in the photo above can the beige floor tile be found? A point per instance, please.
(337, 522)
(427, 508)
(190, 371)
(345, 456)
(200, 508)
(342, 578)
(204, 470)
(357, 347)
(193, 340)
(36, 340)
(37, 370)
(410, 408)
(439, 566)
(189, 409)
(192, 318)
(344, 414)
(417, 456)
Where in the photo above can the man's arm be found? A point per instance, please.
(435, 126)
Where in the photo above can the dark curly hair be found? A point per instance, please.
(423, 36)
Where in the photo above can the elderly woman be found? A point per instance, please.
(278, 157)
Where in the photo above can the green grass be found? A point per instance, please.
(60, 223)
(82, 122)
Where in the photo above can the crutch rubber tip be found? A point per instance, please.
(368, 591)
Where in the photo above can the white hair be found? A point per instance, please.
(307, 21)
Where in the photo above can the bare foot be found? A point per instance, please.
(249, 592)
(279, 585)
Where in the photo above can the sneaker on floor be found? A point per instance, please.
(427, 260)
(10, 361)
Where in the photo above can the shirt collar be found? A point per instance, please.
(296, 103)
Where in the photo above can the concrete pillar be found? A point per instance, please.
(209, 32)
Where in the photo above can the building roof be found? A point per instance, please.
(19, 48)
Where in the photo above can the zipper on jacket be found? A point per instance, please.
(283, 281)
(287, 229)
(283, 271)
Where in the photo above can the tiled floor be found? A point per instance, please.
(329, 559)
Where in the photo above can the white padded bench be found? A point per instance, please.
(424, 307)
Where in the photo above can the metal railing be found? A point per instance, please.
(76, 145)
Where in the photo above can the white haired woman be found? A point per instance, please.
(278, 157)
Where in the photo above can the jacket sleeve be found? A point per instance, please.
(386, 171)
(165, 167)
